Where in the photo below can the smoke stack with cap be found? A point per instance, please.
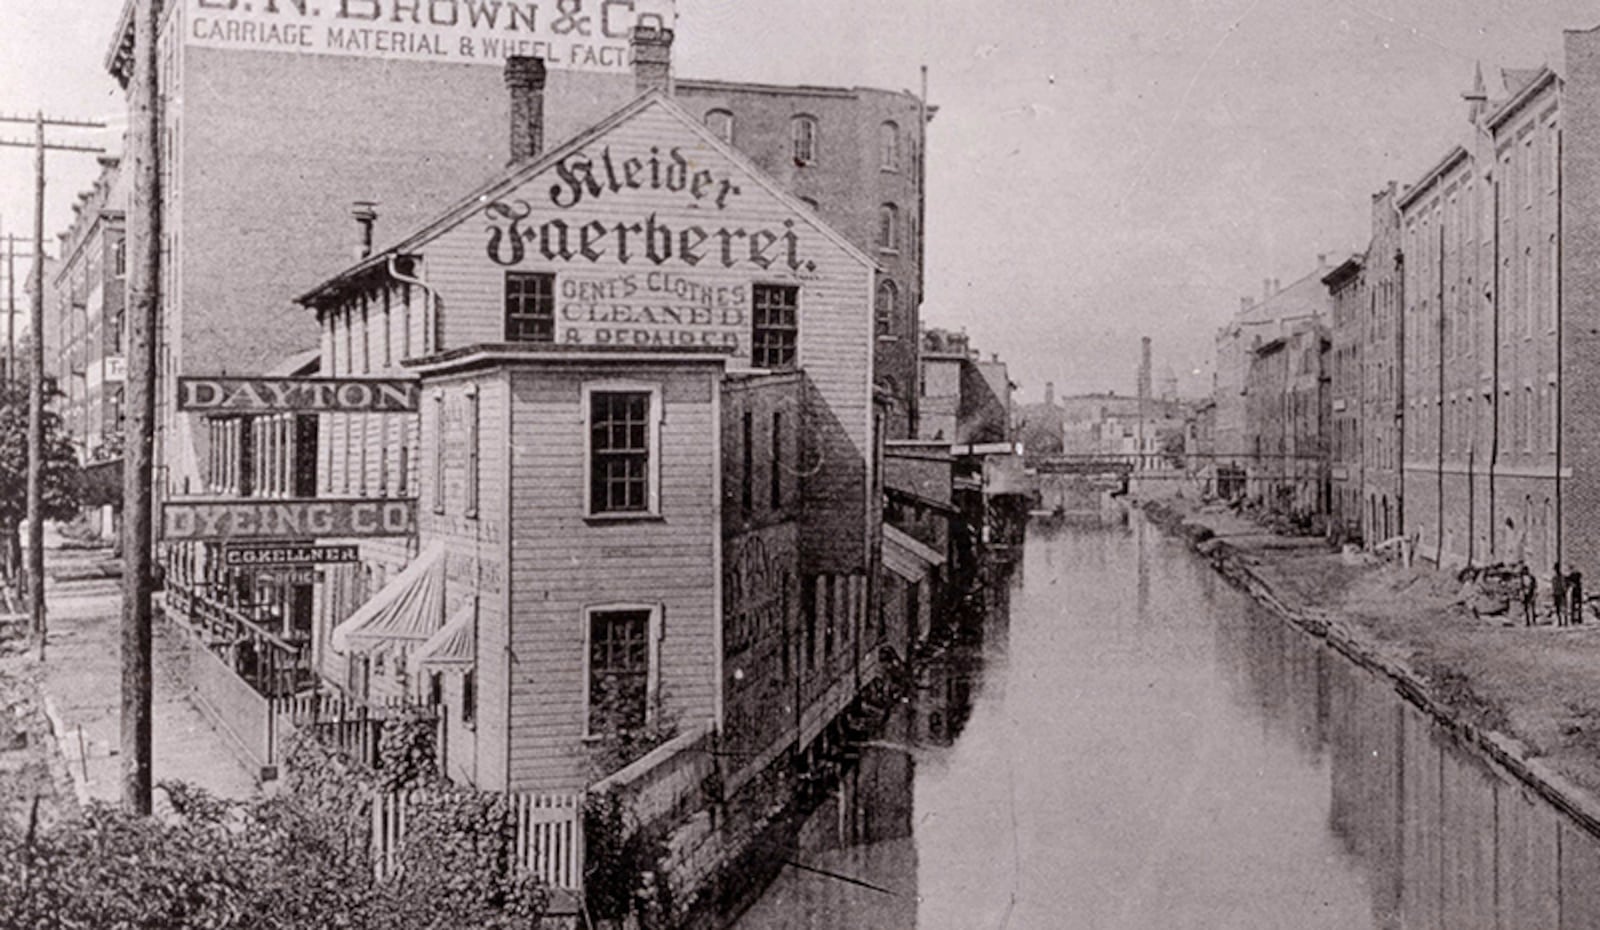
(525, 77)
(365, 214)
(652, 58)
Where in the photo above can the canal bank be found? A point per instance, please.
(1524, 699)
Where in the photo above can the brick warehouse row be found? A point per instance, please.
(1448, 375)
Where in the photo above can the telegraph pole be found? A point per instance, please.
(11, 307)
(144, 280)
(36, 382)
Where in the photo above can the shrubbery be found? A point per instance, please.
(299, 860)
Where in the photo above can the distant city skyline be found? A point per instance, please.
(1098, 171)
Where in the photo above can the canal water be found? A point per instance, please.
(1134, 744)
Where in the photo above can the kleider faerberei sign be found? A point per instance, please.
(183, 521)
(298, 395)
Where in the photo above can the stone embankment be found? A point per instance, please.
(1526, 699)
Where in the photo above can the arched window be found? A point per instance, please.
(888, 303)
(804, 131)
(720, 122)
(889, 146)
(888, 227)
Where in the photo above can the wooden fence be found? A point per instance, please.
(547, 834)
(353, 727)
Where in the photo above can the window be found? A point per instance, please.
(776, 326)
(119, 258)
(803, 129)
(888, 303)
(530, 307)
(889, 146)
(619, 670)
(473, 454)
(888, 227)
(721, 123)
(469, 698)
(808, 607)
(810, 203)
(620, 440)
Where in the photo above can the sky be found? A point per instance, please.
(1099, 170)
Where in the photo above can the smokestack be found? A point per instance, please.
(365, 214)
(652, 58)
(1049, 393)
(1245, 304)
(1266, 289)
(525, 80)
(1144, 369)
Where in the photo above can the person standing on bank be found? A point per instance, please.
(1528, 588)
(1575, 595)
(1558, 590)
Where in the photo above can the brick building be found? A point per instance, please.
(1383, 375)
(1287, 415)
(1279, 310)
(1484, 327)
(855, 155)
(85, 309)
(1347, 286)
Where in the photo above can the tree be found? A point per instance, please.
(63, 479)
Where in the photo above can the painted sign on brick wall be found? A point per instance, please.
(579, 35)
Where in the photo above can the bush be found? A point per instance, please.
(299, 861)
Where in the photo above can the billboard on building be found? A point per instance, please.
(579, 35)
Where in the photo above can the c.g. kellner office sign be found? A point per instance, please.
(579, 35)
(186, 521)
(287, 555)
(298, 395)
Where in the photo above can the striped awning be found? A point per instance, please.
(907, 557)
(408, 610)
(454, 645)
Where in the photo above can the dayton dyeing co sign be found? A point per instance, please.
(187, 521)
(580, 35)
(297, 395)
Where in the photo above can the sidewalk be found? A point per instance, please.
(1534, 692)
(81, 680)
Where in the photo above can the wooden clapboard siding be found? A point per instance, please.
(563, 563)
(475, 550)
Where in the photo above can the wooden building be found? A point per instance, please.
(645, 463)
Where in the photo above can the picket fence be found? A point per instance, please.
(548, 830)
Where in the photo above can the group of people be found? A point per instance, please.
(1566, 590)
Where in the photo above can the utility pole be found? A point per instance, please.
(36, 382)
(11, 307)
(144, 300)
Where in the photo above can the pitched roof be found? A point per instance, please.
(517, 175)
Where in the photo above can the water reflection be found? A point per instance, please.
(1130, 743)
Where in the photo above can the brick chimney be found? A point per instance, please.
(525, 78)
(1050, 393)
(652, 58)
(365, 214)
